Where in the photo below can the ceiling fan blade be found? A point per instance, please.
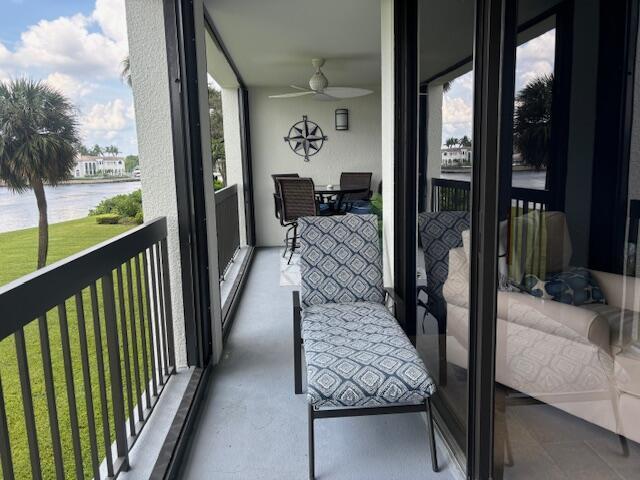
(302, 89)
(291, 95)
(346, 92)
(323, 97)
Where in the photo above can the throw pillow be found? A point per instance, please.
(575, 286)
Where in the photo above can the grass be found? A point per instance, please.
(18, 251)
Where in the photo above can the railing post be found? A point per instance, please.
(113, 347)
(166, 284)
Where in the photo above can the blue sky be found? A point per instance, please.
(77, 47)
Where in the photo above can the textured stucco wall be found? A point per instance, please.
(233, 152)
(357, 149)
(147, 49)
(387, 135)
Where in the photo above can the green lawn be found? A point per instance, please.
(19, 249)
(18, 253)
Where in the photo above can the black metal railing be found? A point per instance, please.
(227, 223)
(449, 195)
(97, 324)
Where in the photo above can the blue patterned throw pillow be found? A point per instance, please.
(574, 287)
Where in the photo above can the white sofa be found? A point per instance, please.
(573, 358)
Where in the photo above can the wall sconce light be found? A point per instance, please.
(342, 119)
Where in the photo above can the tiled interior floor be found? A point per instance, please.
(548, 443)
(253, 426)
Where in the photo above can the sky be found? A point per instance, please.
(77, 47)
(533, 58)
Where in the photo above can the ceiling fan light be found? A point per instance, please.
(318, 81)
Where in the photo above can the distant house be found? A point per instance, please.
(90, 166)
(456, 156)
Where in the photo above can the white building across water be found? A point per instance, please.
(89, 166)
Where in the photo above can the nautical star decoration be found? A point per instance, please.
(305, 138)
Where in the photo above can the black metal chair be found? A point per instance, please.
(359, 360)
(277, 203)
(355, 180)
(297, 197)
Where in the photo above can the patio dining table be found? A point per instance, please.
(324, 191)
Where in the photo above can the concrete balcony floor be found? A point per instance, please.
(252, 425)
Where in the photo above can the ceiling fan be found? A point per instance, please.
(320, 89)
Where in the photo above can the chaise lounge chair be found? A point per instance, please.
(359, 360)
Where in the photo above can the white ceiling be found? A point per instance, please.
(272, 42)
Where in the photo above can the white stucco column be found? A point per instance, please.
(387, 136)
(149, 77)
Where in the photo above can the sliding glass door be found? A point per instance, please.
(527, 304)
(445, 165)
(567, 361)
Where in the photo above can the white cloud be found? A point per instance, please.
(534, 58)
(69, 86)
(534, 71)
(4, 53)
(80, 55)
(456, 110)
(106, 117)
(110, 15)
(66, 45)
(131, 112)
(538, 48)
(72, 45)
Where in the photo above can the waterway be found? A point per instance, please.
(65, 202)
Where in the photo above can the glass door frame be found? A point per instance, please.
(494, 50)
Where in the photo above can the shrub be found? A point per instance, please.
(139, 218)
(218, 185)
(125, 205)
(107, 219)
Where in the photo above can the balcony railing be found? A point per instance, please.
(227, 221)
(449, 194)
(99, 323)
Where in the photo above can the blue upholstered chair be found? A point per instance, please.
(439, 233)
(359, 360)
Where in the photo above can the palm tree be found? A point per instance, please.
(96, 150)
(464, 141)
(112, 150)
(532, 121)
(38, 143)
(125, 73)
(451, 141)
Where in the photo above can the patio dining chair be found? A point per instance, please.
(297, 196)
(277, 202)
(358, 200)
(359, 361)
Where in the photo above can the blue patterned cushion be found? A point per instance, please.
(358, 356)
(340, 260)
(439, 233)
(574, 287)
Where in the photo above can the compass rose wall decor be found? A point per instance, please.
(305, 138)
